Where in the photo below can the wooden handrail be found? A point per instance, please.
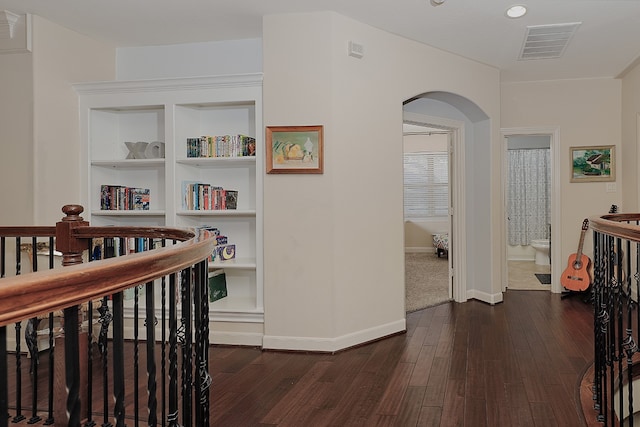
(27, 231)
(616, 225)
(33, 294)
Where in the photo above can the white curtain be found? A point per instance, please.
(529, 195)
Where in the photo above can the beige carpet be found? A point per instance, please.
(426, 280)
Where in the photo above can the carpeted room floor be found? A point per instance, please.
(426, 280)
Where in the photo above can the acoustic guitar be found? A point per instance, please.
(577, 276)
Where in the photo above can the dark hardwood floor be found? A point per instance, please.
(518, 363)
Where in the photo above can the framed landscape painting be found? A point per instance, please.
(595, 163)
(294, 149)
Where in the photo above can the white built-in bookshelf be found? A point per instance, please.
(171, 111)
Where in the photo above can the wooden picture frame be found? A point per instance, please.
(294, 149)
(593, 163)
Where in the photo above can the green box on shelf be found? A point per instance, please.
(217, 285)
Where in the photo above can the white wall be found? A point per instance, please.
(334, 272)
(61, 57)
(190, 60)
(16, 135)
(587, 112)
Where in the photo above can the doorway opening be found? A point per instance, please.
(427, 222)
(531, 208)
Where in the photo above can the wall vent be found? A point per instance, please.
(547, 41)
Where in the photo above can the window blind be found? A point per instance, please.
(426, 185)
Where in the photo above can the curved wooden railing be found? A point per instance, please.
(84, 282)
(181, 263)
(615, 292)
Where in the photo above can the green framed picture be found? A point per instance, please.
(593, 163)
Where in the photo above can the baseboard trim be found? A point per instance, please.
(235, 338)
(331, 345)
(485, 297)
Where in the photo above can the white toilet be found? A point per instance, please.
(542, 247)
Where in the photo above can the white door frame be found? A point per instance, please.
(556, 259)
(457, 211)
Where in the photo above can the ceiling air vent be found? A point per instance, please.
(547, 41)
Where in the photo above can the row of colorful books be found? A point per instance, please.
(109, 247)
(221, 146)
(201, 196)
(118, 197)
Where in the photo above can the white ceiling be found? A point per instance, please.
(605, 44)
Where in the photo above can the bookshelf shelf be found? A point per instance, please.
(115, 114)
(129, 163)
(233, 264)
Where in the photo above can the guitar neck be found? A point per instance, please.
(585, 226)
(581, 244)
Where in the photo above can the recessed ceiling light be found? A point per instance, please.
(516, 11)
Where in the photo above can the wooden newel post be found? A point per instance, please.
(70, 246)
(74, 355)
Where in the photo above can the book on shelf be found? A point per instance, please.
(224, 252)
(119, 197)
(221, 146)
(231, 199)
(217, 285)
(200, 196)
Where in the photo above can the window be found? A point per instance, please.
(426, 185)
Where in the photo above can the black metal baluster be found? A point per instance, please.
(600, 320)
(612, 328)
(620, 323)
(136, 384)
(31, 338)
(172, 415)
(203, 380)
(89, 422)
(18, 327)
(187, 348)
(118, 359)
(72, 361)
(152, 402)
(104, 320)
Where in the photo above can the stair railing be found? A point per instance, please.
(615, 290)
(93, 363)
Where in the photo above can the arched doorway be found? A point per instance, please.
(471, 175)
